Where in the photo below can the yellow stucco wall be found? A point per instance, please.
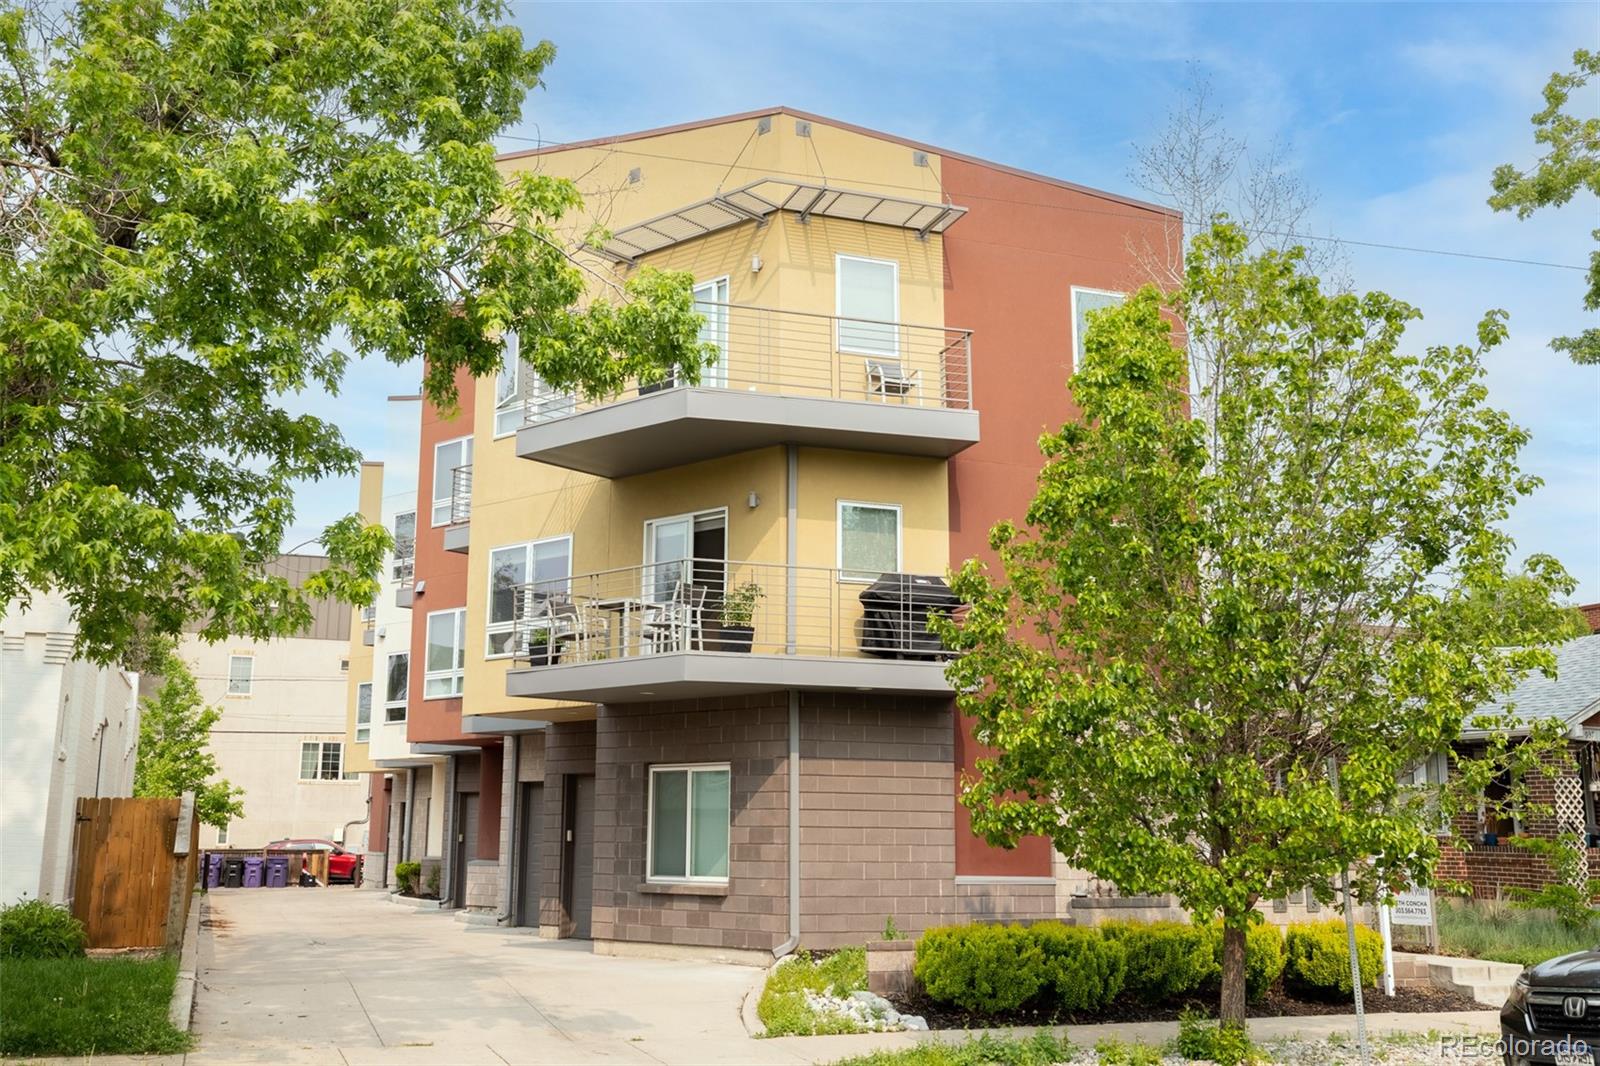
(515, 500)
(370, 506)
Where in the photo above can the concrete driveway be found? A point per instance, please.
(335, 974)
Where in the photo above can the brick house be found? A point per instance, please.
(1480, 850)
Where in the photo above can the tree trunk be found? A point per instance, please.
(1232, 1007)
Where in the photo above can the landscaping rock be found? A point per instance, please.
(867, 1011)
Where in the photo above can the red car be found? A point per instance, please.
(342, 865)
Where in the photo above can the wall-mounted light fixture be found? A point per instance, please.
(755, 500)
(755, 264)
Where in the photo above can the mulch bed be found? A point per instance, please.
(1276, 1004)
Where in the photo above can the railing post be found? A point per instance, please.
(792, 489)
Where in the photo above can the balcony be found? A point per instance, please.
(457, 533)
(783, 377)
(712, 627)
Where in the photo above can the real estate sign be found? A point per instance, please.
(1414, 906)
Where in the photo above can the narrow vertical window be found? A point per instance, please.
(363, 712)
(241, 674)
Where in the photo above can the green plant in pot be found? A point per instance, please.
(738, 615)
(541, 647)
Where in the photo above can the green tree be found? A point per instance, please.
(174, 747)
(208, 205)
(1571, 162)
(1199, 614)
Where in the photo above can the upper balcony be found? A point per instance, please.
(782, 377)
(711, 627)
(458, 533)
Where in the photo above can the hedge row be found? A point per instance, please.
(996, 968)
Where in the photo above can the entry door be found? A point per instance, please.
(532, 845)
(580, 855)
(711, 300)
(466, 844)
(668, 542)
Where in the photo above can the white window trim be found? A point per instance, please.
(649, 560)
(395, 559)
(492, 627)
(460, 675)
(688, 833)
(250, 682)
(402, 704)
(222, 835)
(716, 375)
(433, 475)
(319, 779)
(511, 344)
(899, 539)
(1072, 324)
(367, 728)
(838, 303)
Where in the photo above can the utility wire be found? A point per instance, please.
(1142, 216)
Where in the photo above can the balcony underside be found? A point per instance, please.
(688, 425)
(689, 675)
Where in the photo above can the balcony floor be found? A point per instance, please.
(688, 425)
(689, 675)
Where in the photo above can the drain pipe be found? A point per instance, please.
(792, 543)
(344, 834)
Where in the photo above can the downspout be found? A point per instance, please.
(411, 814)
(792, 544)
(344, 834)
(510, 822)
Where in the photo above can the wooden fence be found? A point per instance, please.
(135, 870)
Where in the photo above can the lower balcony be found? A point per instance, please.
(714, 627)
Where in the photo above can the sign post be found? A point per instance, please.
(1388, 949)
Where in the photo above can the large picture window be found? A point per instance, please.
(446, 660)
(405, 544)
(396, 687)
(869, 540)
(322, 760)
(690, 815)
(448, 457)
(363, 712)
(1084, 301)
(545, 564)
(868, 289)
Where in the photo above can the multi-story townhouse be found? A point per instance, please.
(281, 737)
(695, 614)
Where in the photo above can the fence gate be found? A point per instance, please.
(135, 868)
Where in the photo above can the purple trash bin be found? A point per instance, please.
(252, 872)
(213, 870)
(277, 871)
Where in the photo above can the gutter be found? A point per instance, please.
(793, 525)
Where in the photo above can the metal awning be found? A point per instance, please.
(757, 201)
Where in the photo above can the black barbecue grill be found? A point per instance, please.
(895, 622)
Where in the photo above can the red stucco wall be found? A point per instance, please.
(1010, 265)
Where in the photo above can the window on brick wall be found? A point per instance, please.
(1493, 816)
(689, 818)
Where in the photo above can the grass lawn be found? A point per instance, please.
(1040, 1049)
(1482, 929)
(782, 1007)
(88, 1007)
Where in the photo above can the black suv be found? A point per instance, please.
(1553, 1013)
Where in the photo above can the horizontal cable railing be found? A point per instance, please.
(798, 353)
(461, 495)
(717, 605)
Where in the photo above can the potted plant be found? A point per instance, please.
(738, 612)
(541, 650)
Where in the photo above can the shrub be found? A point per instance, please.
(782, 1007)
(35, 929)
(1201, 1039)
(405, 876)
(1319, 957)
(1165, 960)
(980, 967)
(1263, 957)
(1082, 969)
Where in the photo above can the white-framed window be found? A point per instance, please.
(405, 544)
(445, 662)
(1084, 301)
(322, 760)
(521, 395)
(363, 712)
(711, 300)
(448, 456)
(546, 564)
(869, 540)
(396, 686)
(241, 674)
(690, 812)
(222, 835)
(868, 289)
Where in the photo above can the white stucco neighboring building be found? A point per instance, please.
(281, 736)
(68, 728)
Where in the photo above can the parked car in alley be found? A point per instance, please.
(342, 865)
(1553, 1013)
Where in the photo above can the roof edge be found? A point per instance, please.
(743, 116)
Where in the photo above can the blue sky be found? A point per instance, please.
(1395, 115)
